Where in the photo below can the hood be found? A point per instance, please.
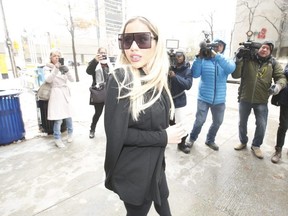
(270, 44)
(222, 42)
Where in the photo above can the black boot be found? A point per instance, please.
(277, 155)
(183, 147)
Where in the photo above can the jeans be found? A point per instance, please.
(283, 125)
(98, 111)
(57, 127)
(261, 114)
(217, 112)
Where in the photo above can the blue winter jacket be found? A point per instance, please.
(214, 73)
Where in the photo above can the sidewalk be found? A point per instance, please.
(39, 179)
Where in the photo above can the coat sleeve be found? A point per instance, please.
(238, 70)
(116, 118)
(136, 137)
(70, 76)
(51, 76)
(228, 65)
(278, 75)
(196, 68)
(91, 67)
(185, 81)
(91, 70)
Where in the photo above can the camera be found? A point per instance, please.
(249, 48)
(206, 46)
(104, 57)
(172, 59)
(172, 44)
(61, 61)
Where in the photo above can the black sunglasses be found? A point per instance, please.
(142, 39)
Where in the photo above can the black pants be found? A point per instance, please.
(142, 210)
(283, 125)
(98, 111)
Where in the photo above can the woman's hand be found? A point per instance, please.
(175, 133)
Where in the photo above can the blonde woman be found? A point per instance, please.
(137, 111)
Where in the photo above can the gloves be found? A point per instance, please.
(240, 53)
(274, 89)
(63, 69)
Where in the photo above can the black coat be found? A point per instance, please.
(281, 99)
(134, 162)
(91, 71)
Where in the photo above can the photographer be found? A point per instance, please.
(256, 70)
(59, 105)
(98, 68)
(213, 68)
(180, 79)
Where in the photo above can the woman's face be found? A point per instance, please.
(138, 57)
(55, 57)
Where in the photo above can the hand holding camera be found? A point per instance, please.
(274, 89)
(100, 57)
(63, 69)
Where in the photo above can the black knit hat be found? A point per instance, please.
(270, 44)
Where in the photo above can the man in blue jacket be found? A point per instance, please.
(213, 69)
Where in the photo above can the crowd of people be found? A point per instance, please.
(145, 106)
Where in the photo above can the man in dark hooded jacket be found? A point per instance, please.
(256, 72)
(180, 79)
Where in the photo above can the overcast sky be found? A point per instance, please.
(184, 19)
(180, 19)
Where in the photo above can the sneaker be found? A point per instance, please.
(184, 148)
(59, 143)
(240, 146)
(257, 152)
(92, 134)
(276, 157)
(70, 138)
(213, 146)
(189, 143)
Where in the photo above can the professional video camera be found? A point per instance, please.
(206, 46)
(172, 44)
(172, 58)
(248, 48)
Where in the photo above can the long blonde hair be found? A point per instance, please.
(156, 80)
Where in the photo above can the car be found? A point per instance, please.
(71, 63)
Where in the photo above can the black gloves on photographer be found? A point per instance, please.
(241, 53)
(63, 69)
(274, 89)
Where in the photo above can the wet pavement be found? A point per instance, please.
(37, 178)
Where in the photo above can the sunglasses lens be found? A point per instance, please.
(125, 41)
(143, 40)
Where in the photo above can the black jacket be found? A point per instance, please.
(91, 71)
(134, 162)
(281, 99)
(179, 83)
